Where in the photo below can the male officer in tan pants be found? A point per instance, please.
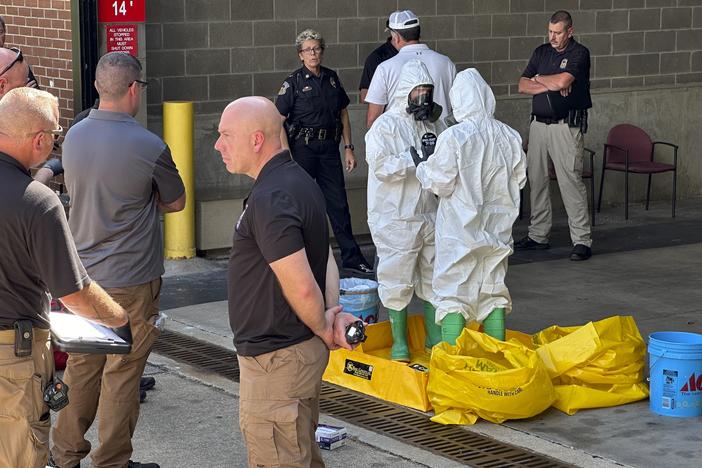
(557, 76)
(38, 257)
(119, 176)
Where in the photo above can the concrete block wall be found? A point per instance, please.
(214, 51)
(42, 30)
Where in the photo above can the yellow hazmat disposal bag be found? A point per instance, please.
(484, 377)
(596, 365)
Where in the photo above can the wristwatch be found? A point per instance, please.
(351, 147)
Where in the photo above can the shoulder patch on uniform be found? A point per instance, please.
(332, 81)
(564, 63)
(284, 88)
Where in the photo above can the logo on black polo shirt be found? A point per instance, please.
(358, 369)
(241, 216)
(564, 62)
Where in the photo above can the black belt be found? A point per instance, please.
(549, 121)
(311, 133)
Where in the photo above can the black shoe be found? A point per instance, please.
(133, 464)
(527, 243)
(580, 252)
(142, 396)
(147, 383)
(361, 268)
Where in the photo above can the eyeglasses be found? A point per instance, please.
(56, 133)
(308, 51)
(141, 83)
(18, 58)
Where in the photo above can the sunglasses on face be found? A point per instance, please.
(19, 58)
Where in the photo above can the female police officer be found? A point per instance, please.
(313, 105)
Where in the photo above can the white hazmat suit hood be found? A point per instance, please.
(477, 170)
(401, 215)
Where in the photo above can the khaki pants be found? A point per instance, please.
(24, 418)
(279, 405)
(565, 147)
(108, 385)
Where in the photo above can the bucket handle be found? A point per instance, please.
(653, 364)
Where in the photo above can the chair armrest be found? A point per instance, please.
(591, 153)
(675, 151)
(665, 143)
(619, 148)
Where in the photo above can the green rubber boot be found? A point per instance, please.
(433, 331)
(451, 327)
(398, 325)
(494, 324)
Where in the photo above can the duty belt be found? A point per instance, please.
(311, 133)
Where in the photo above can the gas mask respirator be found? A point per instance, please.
(422, 105)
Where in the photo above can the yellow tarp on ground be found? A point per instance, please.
(368, 369)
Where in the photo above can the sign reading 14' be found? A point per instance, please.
(119, 11)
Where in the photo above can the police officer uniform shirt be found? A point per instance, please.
(546, 60)
(310, 101)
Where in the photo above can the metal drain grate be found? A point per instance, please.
(394, 421)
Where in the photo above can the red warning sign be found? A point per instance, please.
(122, 38)
(111, 11)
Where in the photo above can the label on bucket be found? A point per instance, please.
(670, 388)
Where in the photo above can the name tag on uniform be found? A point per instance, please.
(564, 63)
(306, 88)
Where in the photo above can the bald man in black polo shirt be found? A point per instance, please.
(283, 290)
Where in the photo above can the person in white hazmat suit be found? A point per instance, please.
(477, 171)
(401, 215)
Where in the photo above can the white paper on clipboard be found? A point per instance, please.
(69, 327)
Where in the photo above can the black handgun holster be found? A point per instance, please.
(23, 338)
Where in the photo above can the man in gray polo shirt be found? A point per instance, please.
(119, 176)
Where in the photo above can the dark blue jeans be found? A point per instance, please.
(322, 161)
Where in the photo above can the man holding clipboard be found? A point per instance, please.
(39, 256)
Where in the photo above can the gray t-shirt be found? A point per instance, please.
(38, 254)
(115, 173)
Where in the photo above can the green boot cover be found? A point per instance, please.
(451, 327)
(398, 325)
(433, 331)
(494, 324)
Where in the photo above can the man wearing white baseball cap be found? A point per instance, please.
(405, 32)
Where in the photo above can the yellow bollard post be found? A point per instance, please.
(179, 228)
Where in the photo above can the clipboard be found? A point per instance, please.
(74, 334)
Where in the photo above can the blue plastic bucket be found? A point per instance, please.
(360, 298)
(675, 362)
